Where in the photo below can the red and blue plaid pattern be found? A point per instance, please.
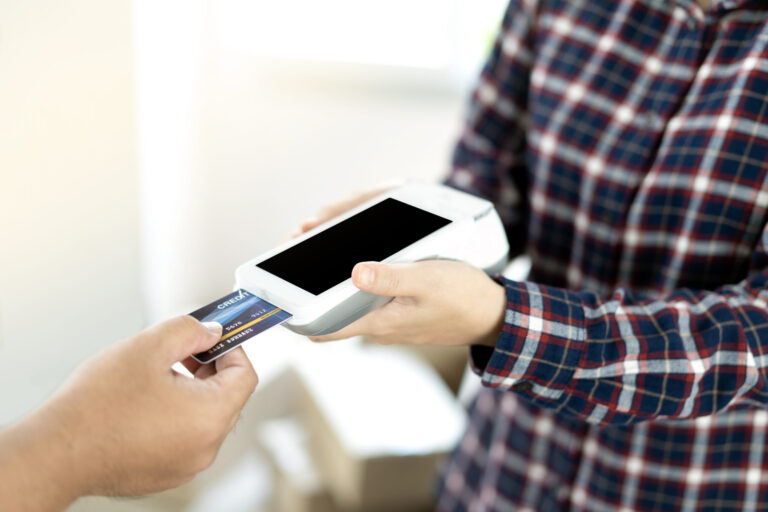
(625, 144)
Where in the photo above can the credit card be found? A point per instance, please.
(242, 316)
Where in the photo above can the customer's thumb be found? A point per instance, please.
(178, 338)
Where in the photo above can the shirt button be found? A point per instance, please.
(523, 385)
(606, 217)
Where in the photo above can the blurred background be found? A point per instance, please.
(149, 147)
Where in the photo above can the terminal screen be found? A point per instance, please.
(327, 258)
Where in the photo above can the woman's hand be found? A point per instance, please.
(435, 302)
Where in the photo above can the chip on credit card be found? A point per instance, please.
(242, 316)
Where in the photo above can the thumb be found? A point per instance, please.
(388, 280)
(176, 339)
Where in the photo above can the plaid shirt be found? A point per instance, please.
(625, 144)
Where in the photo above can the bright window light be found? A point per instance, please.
(428, 34)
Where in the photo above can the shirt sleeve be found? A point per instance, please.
(630, 358)
(489, 159)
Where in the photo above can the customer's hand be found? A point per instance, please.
(126, 423)
(435, 302)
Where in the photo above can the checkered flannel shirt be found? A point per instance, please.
(625, 144)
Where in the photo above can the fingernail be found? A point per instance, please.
(365, 275)
(213, 327)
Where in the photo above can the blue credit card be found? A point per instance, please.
(242, 316)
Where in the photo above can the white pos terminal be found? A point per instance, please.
(310, 276)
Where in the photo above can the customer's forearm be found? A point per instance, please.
(38, 471)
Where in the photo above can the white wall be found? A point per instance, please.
(69, 272)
